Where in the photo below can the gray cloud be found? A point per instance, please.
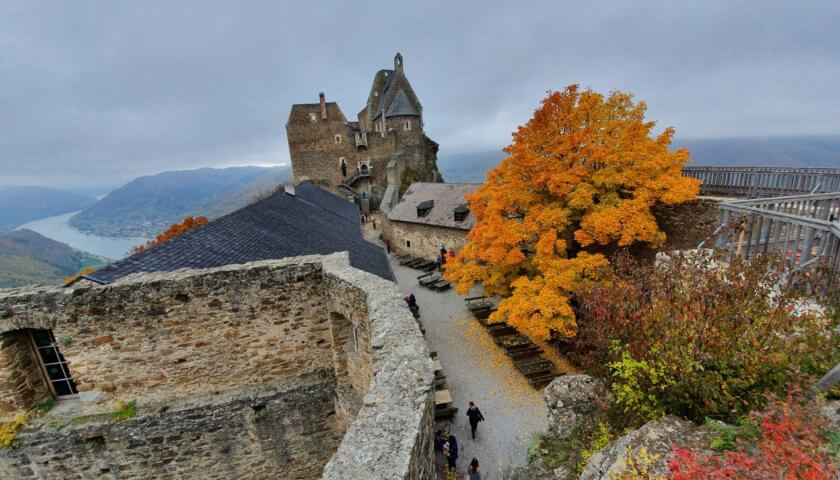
(96, 93)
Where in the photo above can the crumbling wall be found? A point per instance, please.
(280, 430)
(168, 335)
(21, 382)
(269, 414)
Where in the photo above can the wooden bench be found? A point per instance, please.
(540, 380)
(445, 413)
(441, 285)
(525, 353)
(406, 261)
(440, 382)
(431, 280)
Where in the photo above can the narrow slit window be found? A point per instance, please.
(337, 139)
(407, 125)
(53, 363)
(408, 243)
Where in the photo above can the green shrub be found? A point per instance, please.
(727, 437)
(701, 340)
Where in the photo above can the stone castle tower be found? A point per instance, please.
(373, 158)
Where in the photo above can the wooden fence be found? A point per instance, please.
(755, 182)
(803, 228)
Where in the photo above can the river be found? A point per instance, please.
(58, 229)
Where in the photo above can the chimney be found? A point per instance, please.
(398, 62)
(323, 105)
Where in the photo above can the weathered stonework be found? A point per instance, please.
(211, 437)
(319, 347)
(21, 382)
(326, 148)
(422, 240)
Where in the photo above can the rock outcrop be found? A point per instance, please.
(656, 438)
(573, 399)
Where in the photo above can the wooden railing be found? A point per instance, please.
(359, 173)
(803, 228)
(755, 182)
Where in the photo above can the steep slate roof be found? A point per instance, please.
(311, 222)
(401, 105)
(446, 196)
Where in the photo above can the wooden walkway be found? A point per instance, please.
(756, 182)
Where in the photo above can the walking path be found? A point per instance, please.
(476, 370)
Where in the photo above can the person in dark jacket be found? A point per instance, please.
(453, 452)
(475, 416)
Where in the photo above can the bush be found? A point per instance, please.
(701, 340)
(792, 445)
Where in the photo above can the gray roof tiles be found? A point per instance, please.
(401, 105)
(312, 222)
(446, 196)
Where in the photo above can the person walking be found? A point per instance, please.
(472, 470)
(475, 416)
(373, 222)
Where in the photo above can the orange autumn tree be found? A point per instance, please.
(174, 230)
(582, 174)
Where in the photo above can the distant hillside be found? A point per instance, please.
(27, 257)
(817, 151)
(19, 205)
(468, 167)
(146, 206)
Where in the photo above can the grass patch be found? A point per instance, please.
(726, 436)
(44, 407)
(126, 411)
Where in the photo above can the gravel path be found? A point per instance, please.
(476, 369)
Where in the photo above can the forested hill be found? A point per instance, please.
(148, 205)
(19, 205)
(27, 257)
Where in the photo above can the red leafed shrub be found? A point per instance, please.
(699, 339)
(792, 446)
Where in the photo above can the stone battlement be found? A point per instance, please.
(280, 368)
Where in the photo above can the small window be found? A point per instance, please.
(313, 117)
(423, 208)
(407, 125)
(461, 212)
(337, 139)
(53, 363)
(408, 243)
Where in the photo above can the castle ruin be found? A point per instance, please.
(374, 158)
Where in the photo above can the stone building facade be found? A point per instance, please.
(353, 157)
(279, 368)
(430, 216)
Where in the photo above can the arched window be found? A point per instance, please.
(343, 166)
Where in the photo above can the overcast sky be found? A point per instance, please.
(96, 93)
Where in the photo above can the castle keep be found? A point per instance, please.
(373, 158)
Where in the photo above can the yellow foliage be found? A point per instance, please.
(638, 465)
(583, 172)
(8, 430)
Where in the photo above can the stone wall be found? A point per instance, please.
(391, 436)
(352, 360)
(425, 240)
(21, 382)
(170, 335)
(217, 437)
